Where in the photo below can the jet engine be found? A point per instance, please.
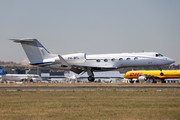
(142, 78)
(75, 58)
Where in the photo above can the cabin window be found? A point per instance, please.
(128, 59)
(35, 77)
(113, 59)
(120, 59)
(105, 60)
(135, 58)
(98, 60)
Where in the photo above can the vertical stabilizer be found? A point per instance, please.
(34, 50)
(2, 71)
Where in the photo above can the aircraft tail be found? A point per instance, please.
(2, 71)
(34, 50)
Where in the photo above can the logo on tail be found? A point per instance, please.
(2, 71)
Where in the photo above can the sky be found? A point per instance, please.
(91, 26)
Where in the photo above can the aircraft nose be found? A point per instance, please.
(170, 61)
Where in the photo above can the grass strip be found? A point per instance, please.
(85, 104)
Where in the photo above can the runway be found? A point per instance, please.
(51, 88)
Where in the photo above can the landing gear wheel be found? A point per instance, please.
(91, 78)
(131, 81)
(163, 81)
(154, 81)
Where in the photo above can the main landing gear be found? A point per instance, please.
(91, 78)
(154, 81)
(131, 81)
(91, 75)
(163, 81)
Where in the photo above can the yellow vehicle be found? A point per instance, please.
(156, 75)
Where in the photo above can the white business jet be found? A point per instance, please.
(80, 62)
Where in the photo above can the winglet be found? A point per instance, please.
(63, 61)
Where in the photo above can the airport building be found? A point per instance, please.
(66, 77)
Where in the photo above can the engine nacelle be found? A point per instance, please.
(75, 58)
(142, 78)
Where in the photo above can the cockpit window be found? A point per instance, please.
(35, 76)
(159, 55)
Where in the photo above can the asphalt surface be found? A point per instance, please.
(29, 88)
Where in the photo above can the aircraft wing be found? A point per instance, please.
(147, 75)
(152, 76)
(80, 68)
(77, 70)
(62, 62)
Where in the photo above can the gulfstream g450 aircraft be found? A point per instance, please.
(80, 62)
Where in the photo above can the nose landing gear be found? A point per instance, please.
(161, 74)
